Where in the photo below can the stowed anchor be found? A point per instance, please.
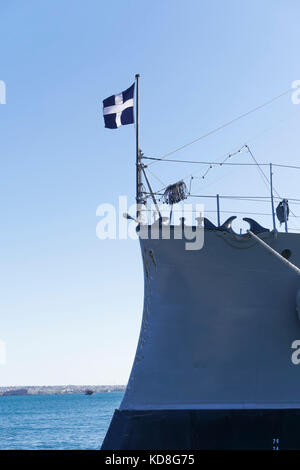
(226, 226)
(255, 227)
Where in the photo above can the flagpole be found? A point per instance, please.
(138, 159)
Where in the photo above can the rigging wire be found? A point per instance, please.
(265, 178)
(223, 162)
(241, 198)
(155, 176)
(191, 175)
(293, 167)
(262, 173)
(211, 164)
(222, 126)
(272, 127)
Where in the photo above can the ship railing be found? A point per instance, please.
(217, 208)
(218, 204)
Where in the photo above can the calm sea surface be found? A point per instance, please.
(56, 421)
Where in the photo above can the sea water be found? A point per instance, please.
(74, 421)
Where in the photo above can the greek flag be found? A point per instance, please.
(118, 109)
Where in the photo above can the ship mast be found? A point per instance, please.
(138, 156)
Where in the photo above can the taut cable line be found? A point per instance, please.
(222, 126)
(199, 162)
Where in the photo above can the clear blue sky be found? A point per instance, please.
(71, 304)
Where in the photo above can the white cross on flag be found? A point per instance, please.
(118, 109)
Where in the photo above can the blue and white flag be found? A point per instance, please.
(118, 109)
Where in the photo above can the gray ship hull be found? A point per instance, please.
(204, 430)
(214, 360)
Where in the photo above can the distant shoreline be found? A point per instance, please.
(59, 389)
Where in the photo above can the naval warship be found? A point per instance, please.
(216, 361)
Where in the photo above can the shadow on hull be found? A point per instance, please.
(204, 430)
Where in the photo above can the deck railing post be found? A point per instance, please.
(218, 210)
(272, 199)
